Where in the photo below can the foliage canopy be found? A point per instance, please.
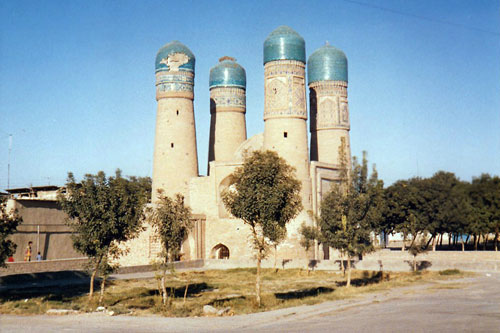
(8, 225)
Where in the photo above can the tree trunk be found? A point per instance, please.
(342, 267)
(485, 240)
(92, 277)
(496, 239)
(275, 256)
(441, 240)
(476, 240)
(185, 293)
(467, 239)
(257, 280)
(434, 243)
(348, 284)
(462, 241)
(414, 263)
(428, 242)
(404, 240)
(163, 289)
(101, 293)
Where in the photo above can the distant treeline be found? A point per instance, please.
(443, 204)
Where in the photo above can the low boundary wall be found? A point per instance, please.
(56, 265)
(381, 260)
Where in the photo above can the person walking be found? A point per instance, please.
(27, 254)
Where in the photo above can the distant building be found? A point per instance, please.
(43, 223)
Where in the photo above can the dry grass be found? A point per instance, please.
(234, 288)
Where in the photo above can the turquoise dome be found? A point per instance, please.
(171, 48)
(284, 43)
(227, 73)
(327, 64)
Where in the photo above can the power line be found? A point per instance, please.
(425, 18)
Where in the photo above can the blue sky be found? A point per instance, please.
(77, 79)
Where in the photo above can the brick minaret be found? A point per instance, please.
(175, 156)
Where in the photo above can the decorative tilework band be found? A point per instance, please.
(329, 106)
(227, 99)
(174, 84)
(285, 94)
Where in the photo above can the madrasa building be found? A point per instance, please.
(216, 234)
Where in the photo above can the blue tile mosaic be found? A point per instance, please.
(284, 44)
(227, 73)
(327, 64)
(172, 48)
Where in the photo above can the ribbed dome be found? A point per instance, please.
(327, 64)
(227, 73)
(284, 43)
(184, 64)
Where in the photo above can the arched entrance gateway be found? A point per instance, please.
(220, 251)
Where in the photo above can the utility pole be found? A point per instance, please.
(8, 162)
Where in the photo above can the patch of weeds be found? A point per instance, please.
(141, 303)
(450, 272)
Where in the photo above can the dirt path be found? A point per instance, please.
(470, 304)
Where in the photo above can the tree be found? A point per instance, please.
(440, 204)
(102, 213)
(417, 247)
(171, 221)
(309, 235)
(485, 200)
(352, 210)
(8, 225)
(266, 195)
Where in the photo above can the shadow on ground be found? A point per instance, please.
(367, 279)
(55, 285)
(301, 293)
(421, 265)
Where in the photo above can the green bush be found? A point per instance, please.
(450, 272)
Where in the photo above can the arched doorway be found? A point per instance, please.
(220, 251)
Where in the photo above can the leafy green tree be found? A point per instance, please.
(266, 196)
(104, 211)
(309, 236)
(435, 205)
(463, 215)
(440, 205)
(8, 225)
(418, 246)
(352, 210)
(171, 221)
(485, 200)
(400, 214)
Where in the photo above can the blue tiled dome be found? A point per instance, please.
(327, 64)
(227, 73)
(171, 48)
(284, 43)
